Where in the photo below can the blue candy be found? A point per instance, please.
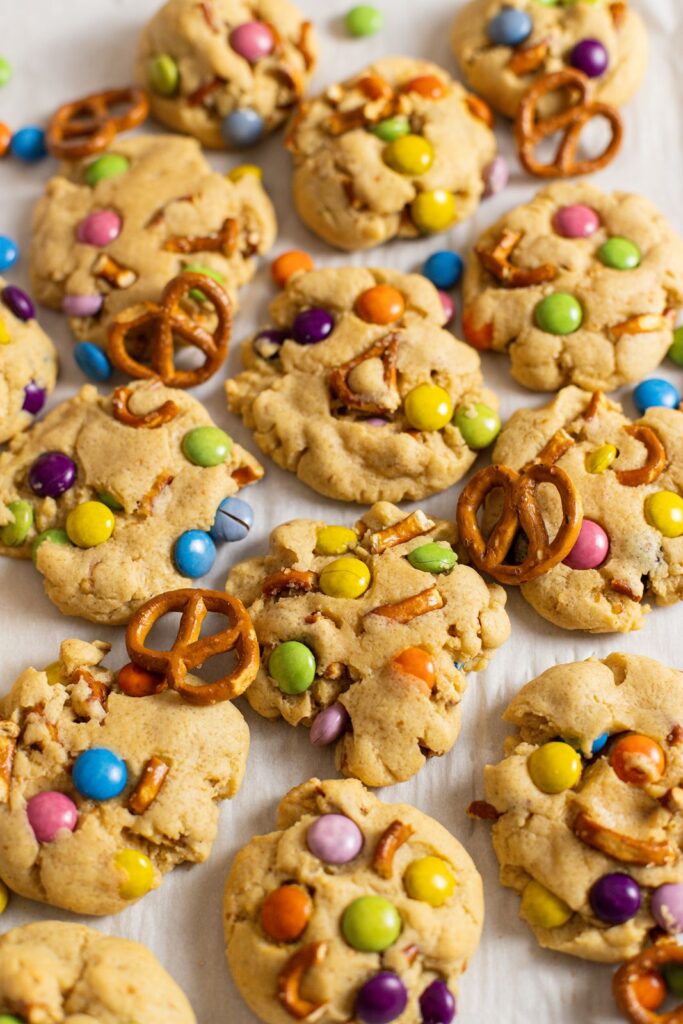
(234, 519)
(510, 27)
(9, 252)
(443, 269)
(99, 774)
(242, 128)
(28, 144)
(194, 553)
(599, 743)
(655, 392)
(93, 361)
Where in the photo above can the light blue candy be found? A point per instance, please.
(444, 269)
(242, 128)
(234, 519)
(194, 553)
(599, 743)
(28, 144)
(93, 361)
(510, 27)
(99, 774)
(655, 392)
(9, 252)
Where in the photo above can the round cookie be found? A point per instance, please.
(226, 71)
(102, 794)
(391, 910)
(374, 410)
(117, 499)
(588, 805)
(366, 636)
(28, 362)
(619, 469)
(501, 54)
(112, 231)
(396, 150)
(578, 286)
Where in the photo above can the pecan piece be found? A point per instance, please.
(291, 581)
(621, 847)
(147, 790)
(389, 842)
(291, 976)
(405, 611)
(497, 262)
(414, 525)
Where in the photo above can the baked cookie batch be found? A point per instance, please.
(354, 909)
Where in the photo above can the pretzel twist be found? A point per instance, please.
(497, 262)
(120, 403)
(86, 126)
(291, 976)
(629, 974)
(655, 464)
(385, 349)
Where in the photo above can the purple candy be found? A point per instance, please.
(381, 999)
(615, 898)
(82, 305)
(376, 421)
(329, 725)
(312, 326)
(335, 839)
(52, 474)
(591, 57)
(496, 176)
(667, 907)
(34, 398)
(18, 302)
(437, 1004)
(267, 344)
(50, 812)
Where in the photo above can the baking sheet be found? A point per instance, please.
(61, 49)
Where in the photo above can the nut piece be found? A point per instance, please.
(497, 262)
(389, 842)
(408, 609)
(147, 790)
(414, 525)
(291, 977)
(622, 848)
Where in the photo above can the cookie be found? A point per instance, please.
(360, 392)
(397, 150)
(578, 286)
(51, 971)
(113, 231)
(226, 71)
(102, 794)
(628, 477)
(114, 497)
(588, 805)
(366, 636)
(353, 910)
(503, 47)
(28, 362)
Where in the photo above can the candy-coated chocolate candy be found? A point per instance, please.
(312, 326)
(285, 913)
(163, 75)
(479, 424)
(4, 900)
(234, 519)
(89, 524)
(615, 898)
(292, 665)
(444, 268)
(437, 1003)
(109, 165)
(510, 27)
(28, 144)
(364, 20)
(245, 171)
(649, 990)
(53, 536)
(52, 474)
(430, 880)
(429, 86)
(591, 547)
(638, 760)
(289, 263)
(664, 511)
(381, 304)
(656, 393)
(346, 577)
(7, 1018)
(194, 553)
(138, 682)
(554, 767)
(5, 71)
(137, 874)
(559, 313)
(253, 40)
(619, 254)
(93, 361)
(53, 671)
(4, 333)
(411, 154)
(9, 252)
(381, 999)
(242, 127)
(391, 128)
(428, 407)
(448, 307)
(206, 446)
(676, 350)
(99, 228)
(433, 557)
(666, 906)
(433, 211)
(267, 344)
(34, 398)
(590, 57)
(599, 743)
(542, 908)
(335, 540)
(49, 812)
(495, 176)
(199, 268)
(82, 305)
(18, 302)
(13, 534)
(5, 138)
(576, 221)
(334, 839)
(328, 725)
(371, 924)
(110, 501)
(99, 774)
(673, 976)
(600, 459)
(414, 661)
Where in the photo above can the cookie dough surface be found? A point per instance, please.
(28, 365)
(395, 720)
(161, 495)
(344, 189)
(610, 347)
(535, 836)
(68, 974)
(445, 936)
(336, 444)
(53, 716)
(213, 79)
(557, 29)
(172, 208)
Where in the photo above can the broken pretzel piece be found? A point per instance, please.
(655, 464)
(483, 810)
(224, 240)
(291, 581)
(391, 840)
(529, 58)
(386, 349)
(106, 268)
(291, 977)
(644, 323)
(414, 525)
(497, 262)
(621, 847)
(150, 420)
(9, 731)
(405, 611)
(147, 790)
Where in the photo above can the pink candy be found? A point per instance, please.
(496, 176)
(591, 548)
(448, 306)
(329, 725)
(82, 305)
(253, 40)
(576, 221)
(50, 812)
(99, 228)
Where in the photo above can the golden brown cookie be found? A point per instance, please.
(28, 362)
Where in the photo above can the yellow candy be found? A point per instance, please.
(4, 897)
(543, 908)
(664, 511)
(4, 333)
(54, 673)
(428, 407)
(90, 524)
(601, 458)
(554, 767)
(431, 880)
(433, 211)
(335, 540)
(411, 154)
(138, 874)
(243, 171)
(345, 577)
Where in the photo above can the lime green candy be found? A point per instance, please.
(364, 20)
(432, 558)
(54, 536)
(542, 908)
(371, 924)
(110, 501)
(554, 767)
(676, 350)
(7, 1018)
(199, 268)
(14, 534)
(619, 254)
(292, 666)
(673, 976)
(5, 77)
(207, 446)
(559, 313)
(391, 128)
(163, 75)
(110, 165)
(479, 425)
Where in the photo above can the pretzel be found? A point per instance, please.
(620, 847)
(163, 321)
(246, 474)
(150, 420)
(291, 976)
(196, 98)
(479, 336)
(224, 240)
(528, 59)
(593, 407)
(209, 13)
(290, 580)
(629, 974)
(644, 323)
(483, 810)
(530, 129)
(414, 525)
(497, 262)
(303, 44)
(618, 10)
(521, 510)
(188, 650)
(411, 953)
(99, 691)
(146, 502)
(86, 126)
(676, 735)
(9, 732)
(479, 109)
(625, 588)
(554, 449)
(391, 840)
(106, 268)
(148, 788)
(385, 349)
(405, 611)
(655, 463)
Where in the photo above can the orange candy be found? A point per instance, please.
(5, 137)
(286, 912)
(380, 305)
(416, 662)
(290, 263)
(138, 682)
(426, 85)
(479, 337)
(649, 990)
(637, 759)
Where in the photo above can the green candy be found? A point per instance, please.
(54, 536)
(479, 424)
(559, 313)
(292, 666)
(364, 20)
(673, 976)
(110, 165)
(371, 924)
(110, 501)
(391, 128)
(432, 558)
(7, 1018)
(199, 268)
(207, 446)
(619, 254)
(5, 77)
(14, 534)
(676, 350)
(163, 75)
